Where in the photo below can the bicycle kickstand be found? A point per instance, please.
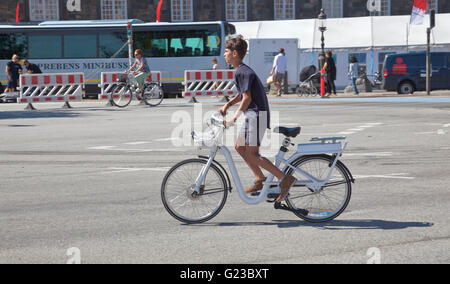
(279, 205)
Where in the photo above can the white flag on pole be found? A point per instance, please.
(418, 12)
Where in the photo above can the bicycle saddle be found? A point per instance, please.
(288, 132)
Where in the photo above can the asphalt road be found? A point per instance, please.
(89, 178)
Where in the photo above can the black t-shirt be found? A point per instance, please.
(14, 70)
(34, 68)
(247, 80)
(331, 67)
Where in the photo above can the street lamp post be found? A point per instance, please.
(322, 29)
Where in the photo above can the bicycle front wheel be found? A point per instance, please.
(186, 205)
(121, 96)
(153, 94)
(331, 200)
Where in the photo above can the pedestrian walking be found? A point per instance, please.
(13, 71)
(353, 73)
(279, 69)
(31, 68)
(330, 69)
(215, 64)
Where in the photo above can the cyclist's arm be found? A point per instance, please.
(246, 100)
(132, 66)
(231, 103)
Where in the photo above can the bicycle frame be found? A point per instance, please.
(271, 187)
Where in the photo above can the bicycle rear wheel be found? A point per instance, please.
(153, 94)
(180, 199)
(121, 95)
(331, 200)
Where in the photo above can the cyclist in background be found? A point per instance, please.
(140, 68)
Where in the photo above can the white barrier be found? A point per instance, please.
(109, 80)
(207, 83)
(43, 88)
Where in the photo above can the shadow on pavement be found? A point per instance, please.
(332, 225)
(37, 114)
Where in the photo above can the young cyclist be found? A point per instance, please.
(255, 107)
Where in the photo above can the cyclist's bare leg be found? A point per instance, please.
(242, 150)
(253, 157)
(255, 161)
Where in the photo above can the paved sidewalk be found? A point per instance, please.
(375, 93)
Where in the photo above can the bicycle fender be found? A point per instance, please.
(229, 187)
(332, 157)
(352, 179)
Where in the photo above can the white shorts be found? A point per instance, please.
(252, 130)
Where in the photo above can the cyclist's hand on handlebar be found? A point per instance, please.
(229, 122)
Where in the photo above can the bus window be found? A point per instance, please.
(153, 44)
(159, 47)
(45, 47)
(179, 43)
(194, 46)
(189, 43)
(110, 45)
(13, 44)
(80, 46)
(230, 31)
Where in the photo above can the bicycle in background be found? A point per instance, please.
(127, 87)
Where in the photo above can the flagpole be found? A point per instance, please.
(429, 67)
(428, 60)
(407, 37)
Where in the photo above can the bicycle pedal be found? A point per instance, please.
(255, 193)
(278, 205)
(272, 195)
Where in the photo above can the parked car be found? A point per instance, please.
(406, 72)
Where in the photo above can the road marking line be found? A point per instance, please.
(388, 176)
(359, 128)
(374, 154)
(113, 148)
(101, 148)
(137, 143)
(346, 133)
(126, 170)
(439, 132)
(167, 139)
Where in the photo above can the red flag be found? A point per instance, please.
(17, 11)
(418, 12)
(158, 11)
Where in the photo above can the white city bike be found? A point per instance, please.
(195, 190)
